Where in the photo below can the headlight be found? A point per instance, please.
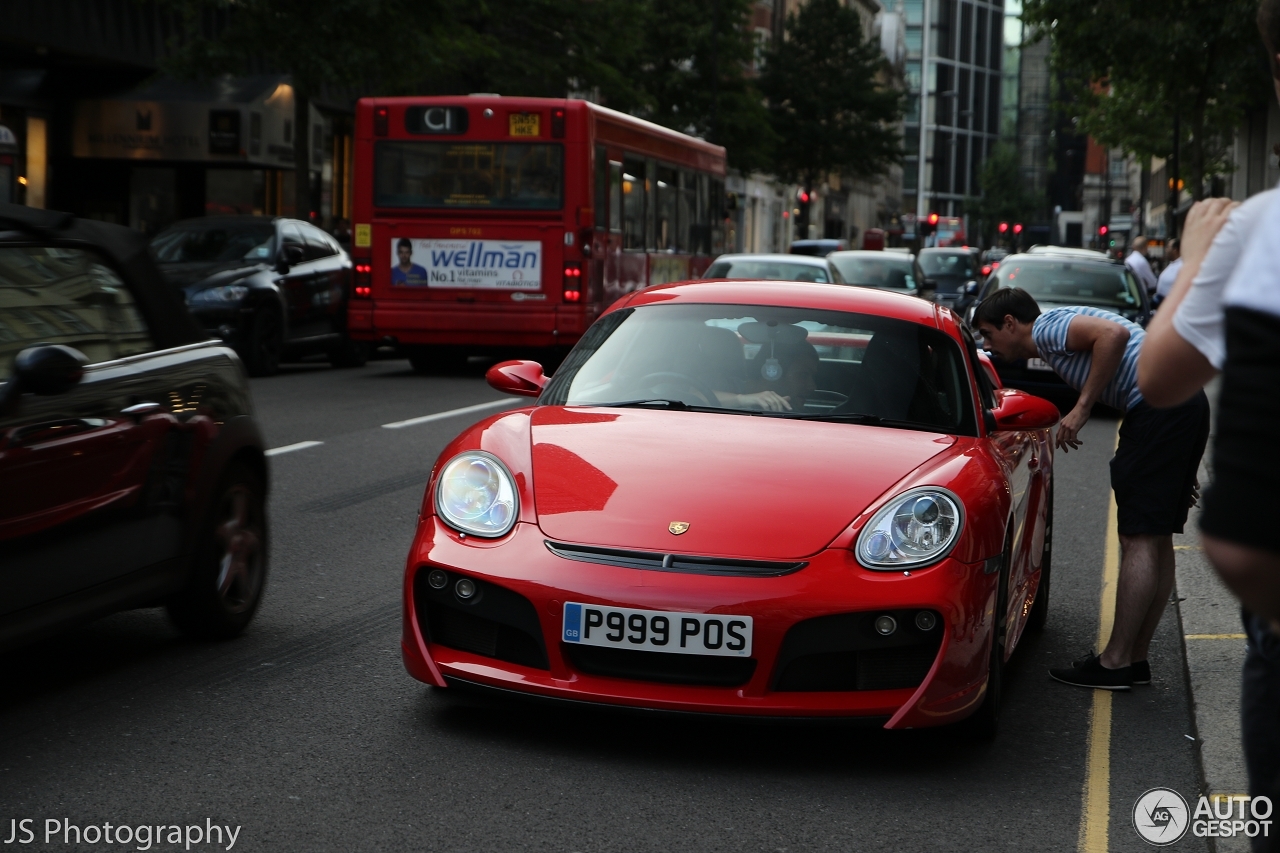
(914, 529)
(475, 493)
(220, 295)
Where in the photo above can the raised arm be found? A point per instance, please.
(1105, 341)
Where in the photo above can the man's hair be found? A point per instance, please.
(1139, 242)
(405, 243)
(1269, 29)
(1012, 301)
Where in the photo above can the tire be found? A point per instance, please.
(1039, 615)
(229, 565)
(985, 723)
(348, 353)
(266, 342)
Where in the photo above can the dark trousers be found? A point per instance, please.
(1260, 720)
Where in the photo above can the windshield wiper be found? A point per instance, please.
(674, 405)
(870, 420)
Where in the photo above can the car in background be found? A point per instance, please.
(952, 274)
(882, 270)
(270, 288)
(990, 261)
(818, 248)
(133, 470)
(1054, 280)
(1069, 251)
(775, 268)
(875, 548)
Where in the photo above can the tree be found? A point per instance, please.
(1135, 68)
(384, 44)
(1003, 197)
(828, 104)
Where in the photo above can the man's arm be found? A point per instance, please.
(1105, 342)
(1171, 370)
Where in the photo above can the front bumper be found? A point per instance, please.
(230, 324)
(830, 601)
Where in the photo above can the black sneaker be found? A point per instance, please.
(1089, 672)
(1141, 672)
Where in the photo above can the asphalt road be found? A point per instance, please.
(308, 734)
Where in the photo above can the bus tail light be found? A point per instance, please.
(363, 280)
(381, 117)
(572, 282)
(557, 123)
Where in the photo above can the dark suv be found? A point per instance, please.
(132, 472)
(271, 288)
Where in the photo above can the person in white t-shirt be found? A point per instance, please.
(1139, 265)
(1169, 274)
(1223, 314)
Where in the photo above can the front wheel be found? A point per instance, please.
(229, 566)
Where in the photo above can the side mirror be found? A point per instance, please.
(1018, 410)
(522, 378)
(45, 370)
(290, 255)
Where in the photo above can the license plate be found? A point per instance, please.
(1038, 364)
(657, 630)
(524, 124)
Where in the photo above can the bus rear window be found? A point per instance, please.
(497, 176)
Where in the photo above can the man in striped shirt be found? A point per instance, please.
(1153, 472)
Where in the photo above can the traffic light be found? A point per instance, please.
(929, 225)
(1004, 226)
(1017, 228)
(1102, 230)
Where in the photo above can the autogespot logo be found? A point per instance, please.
(1160, 816)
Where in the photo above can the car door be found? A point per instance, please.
(88, 493)
(329, 281)
(296, 283)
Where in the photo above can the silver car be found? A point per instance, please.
(775, 268)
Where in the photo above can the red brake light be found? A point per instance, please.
(986, 270)
(363, 280)
(381, 116)
(995, 265)
(557, 123)
(572, 282)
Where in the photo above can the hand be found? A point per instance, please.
(1204, 221)
(1195, 492)
(1070, 427)
(769, 401)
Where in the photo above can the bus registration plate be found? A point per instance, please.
(657, 630)
(524, 124)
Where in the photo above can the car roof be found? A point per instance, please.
(168, 321)
(828, 297)
(957, 250)
(1050, 257)
(811, 260)
(224, 220)
(1067, 251)
(900, 257)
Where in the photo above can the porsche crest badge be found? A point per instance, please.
(678, 527)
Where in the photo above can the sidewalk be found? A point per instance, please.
(1214, 651)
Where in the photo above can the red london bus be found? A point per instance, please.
(492, 224)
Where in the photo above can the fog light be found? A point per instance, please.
(464, 589)
(886, 625)
(925, 620)
(438, 579)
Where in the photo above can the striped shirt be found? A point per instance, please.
(1050, 335)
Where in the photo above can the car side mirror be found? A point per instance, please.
(522, 378)
(45, 370)
(971, 288)
(289, 256)
(1018, 410)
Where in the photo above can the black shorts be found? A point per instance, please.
(1244, 500)
(1155, 466)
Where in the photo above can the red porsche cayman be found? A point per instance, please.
(757, 498)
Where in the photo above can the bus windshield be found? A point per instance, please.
(497, 176)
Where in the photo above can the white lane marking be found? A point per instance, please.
(439, 416)
(289, 448)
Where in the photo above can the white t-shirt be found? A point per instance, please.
(1199, 317)
(1141, 268)
(1167, 278)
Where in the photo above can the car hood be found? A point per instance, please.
(198, 276)
(751, 487)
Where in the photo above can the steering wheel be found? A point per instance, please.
(704, 390)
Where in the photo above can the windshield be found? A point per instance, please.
(767, 271)
(888, 272)
(779, 362)
(1073, 282)
(947, 263)
(499, 176)
(250, 241)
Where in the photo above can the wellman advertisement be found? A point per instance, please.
(475, 264)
